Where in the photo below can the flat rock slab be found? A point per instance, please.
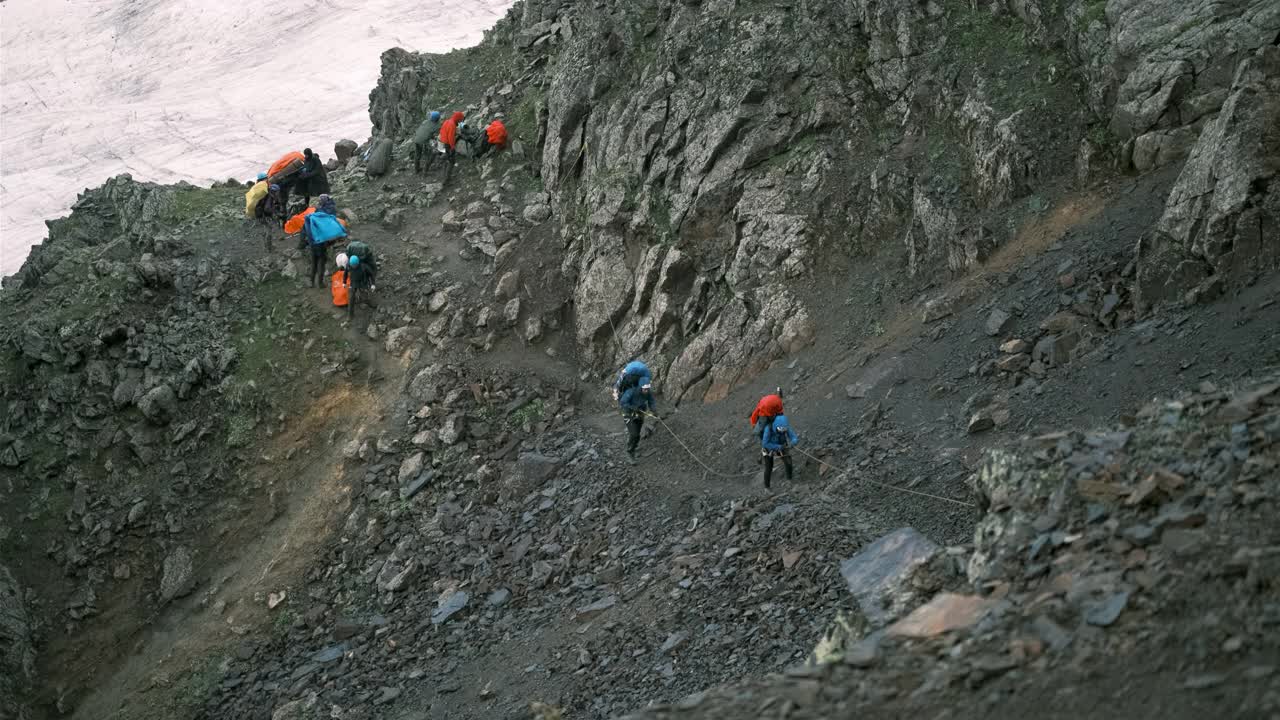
(943, 614)
(883, 568)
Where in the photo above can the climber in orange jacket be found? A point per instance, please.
(493, 135)
(449, 139)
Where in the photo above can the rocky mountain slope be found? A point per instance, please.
(971, 241)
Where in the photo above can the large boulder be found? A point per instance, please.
(344, 149)
(379, 158)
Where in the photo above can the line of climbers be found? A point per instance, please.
(435, 138)
(633, 390)
(316, 225)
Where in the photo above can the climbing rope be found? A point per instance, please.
(886, 485)
(694, 455)
(818, 460)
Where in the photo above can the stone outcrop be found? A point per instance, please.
(17, 656)
(697, 171)
(1221, 224)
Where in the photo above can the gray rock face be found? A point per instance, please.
(17, 655)
(1222, 217)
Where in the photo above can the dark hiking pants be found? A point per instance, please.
(318, 261)
(768, 464)
(635, 422)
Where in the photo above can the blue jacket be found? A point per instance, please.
(635, 399)
(778, 435)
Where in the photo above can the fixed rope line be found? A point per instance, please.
(887, 486)
(694, 455)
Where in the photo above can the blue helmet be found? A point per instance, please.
(354, 260)
(435, 116)
(262, 176)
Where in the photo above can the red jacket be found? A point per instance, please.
(449, 130)
(769, 406)
(497, 133)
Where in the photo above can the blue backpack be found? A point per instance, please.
(634, 374)
(323, 228)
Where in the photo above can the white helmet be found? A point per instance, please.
(342, 260)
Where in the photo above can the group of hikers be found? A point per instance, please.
(434, 138)
(633, 391)
(317, 225)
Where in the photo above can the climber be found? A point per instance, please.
(271, 213)
(769, 407)
(359, 274)
(449, 139)
(775, 442)
(635, 402)
(326, 204)
(319, 230)
(312, 179)
(422, 143)
(338, 284)
(493, 135)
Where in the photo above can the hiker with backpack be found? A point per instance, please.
(271, 213)
(312, 179)
(360, 275)
(422, 143)
(776, 441)
(634, 392)
(319, 230)
(492, 135)
(449, 139)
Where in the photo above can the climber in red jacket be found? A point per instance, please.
(449, 139)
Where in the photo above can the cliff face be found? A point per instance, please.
(709, 160)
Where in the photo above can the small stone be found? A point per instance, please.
(498, 597)
(996, 322)
(1014, 363)
(937, 308)
(1203, 682)
(508, 285)
(864, 653)
(1140, 534)
(586, 612)
(387, 695)
(448, 605)
(411, 467)
(1013, 347)
(511, 312)
(673, 642)
(1103, 613)
(981, 422)
(1182, 541)
(855, 391)
(178, 577)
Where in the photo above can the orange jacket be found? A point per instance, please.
(769, 406)
(497, 133)
(449, 130)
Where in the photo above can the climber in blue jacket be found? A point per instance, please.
(634, 391)
(776, 442)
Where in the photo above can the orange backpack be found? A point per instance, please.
(339, 290)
